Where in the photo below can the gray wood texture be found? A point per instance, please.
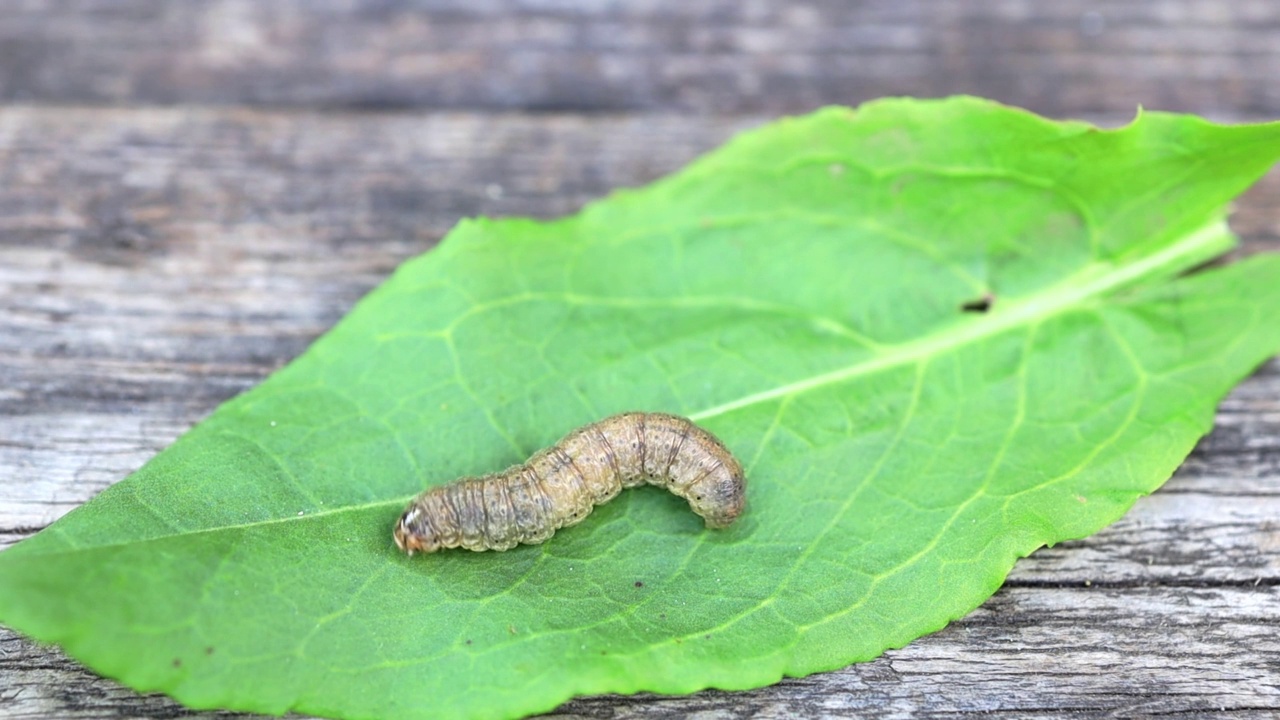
(725, 56)
(191, 192)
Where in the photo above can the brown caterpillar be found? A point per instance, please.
(560, 486)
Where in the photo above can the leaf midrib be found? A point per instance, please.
(1094, 281)
(1205, 242)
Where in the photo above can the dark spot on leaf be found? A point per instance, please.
(662, 616)
(706, 637)
(468, 642)
(177, 662)
(980, 305)
(639, 584)
(208, 650)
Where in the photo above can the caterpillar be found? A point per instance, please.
(559, 486)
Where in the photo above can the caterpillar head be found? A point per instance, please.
(413, 533)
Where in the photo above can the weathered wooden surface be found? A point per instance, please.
(710, 55)
(155, 261)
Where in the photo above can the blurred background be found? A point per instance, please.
(575, 56)
(386, 120)
(191, 192)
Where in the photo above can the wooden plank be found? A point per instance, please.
(155, 262)
(1077, 652)
(722, 56)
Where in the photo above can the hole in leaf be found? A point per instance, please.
(980, 305)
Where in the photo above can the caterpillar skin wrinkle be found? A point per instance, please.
(561, 485)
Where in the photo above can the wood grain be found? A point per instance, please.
(722, 56)
(154, 262)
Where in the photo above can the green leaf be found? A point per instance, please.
(798, 292)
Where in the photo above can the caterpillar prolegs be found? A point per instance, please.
(560, 486)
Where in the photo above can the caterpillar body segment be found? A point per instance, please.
(559, 486)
